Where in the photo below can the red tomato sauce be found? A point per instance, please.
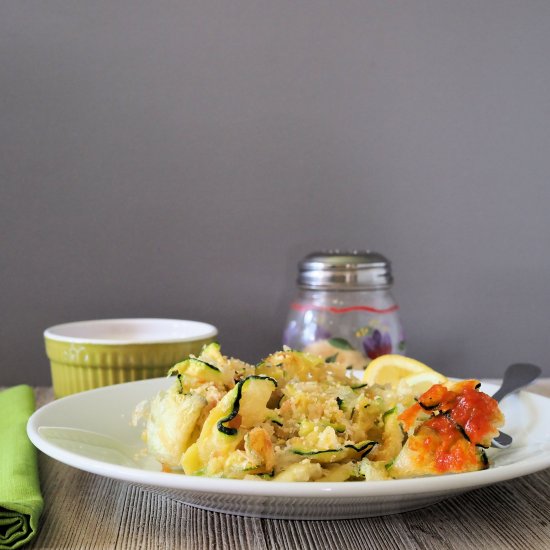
(452, 451)
(477, 413)
(461, 419)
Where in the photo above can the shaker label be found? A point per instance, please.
(308, 307)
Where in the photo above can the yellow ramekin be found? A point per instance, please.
(89, 354)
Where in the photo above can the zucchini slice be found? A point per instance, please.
(210, 367)
(211, 353)
(347, 451)
(193, 372)
(392, 437)
(226, 425)
(170, 425)
(252, 412)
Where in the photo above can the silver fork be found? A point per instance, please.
(515, 377)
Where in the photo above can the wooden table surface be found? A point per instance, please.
(87, 511)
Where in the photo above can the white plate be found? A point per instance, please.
(92, 431)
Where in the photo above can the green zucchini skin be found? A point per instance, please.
(188, 362)
(237, 403)
(430, 408)
(457, 425)
(180, 382)
(313, 453)
(363, 449)
(426, 407)
(210, 366)
(484, 460)
(388, 412)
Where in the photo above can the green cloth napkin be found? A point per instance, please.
(20, 498)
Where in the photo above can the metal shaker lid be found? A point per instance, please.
(345, 270)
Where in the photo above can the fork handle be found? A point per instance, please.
(515, 377)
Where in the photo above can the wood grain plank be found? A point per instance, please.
(87, 511)
(76, 503)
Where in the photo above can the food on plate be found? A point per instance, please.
(447, 430)
(298, 417)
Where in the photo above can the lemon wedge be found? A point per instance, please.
(402, 373)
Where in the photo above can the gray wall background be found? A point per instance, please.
(177, 158)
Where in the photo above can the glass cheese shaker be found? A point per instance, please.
(344, 309)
